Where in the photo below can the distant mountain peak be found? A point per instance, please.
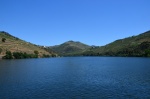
(71, 41)
(70, 47)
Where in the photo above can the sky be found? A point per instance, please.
(93, 22)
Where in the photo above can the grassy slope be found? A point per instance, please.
(117, 45)
(14, 44)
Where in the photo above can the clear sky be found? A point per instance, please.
(94, 22)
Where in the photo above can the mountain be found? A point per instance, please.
(132, 46)
(69, 48)
(14, 44)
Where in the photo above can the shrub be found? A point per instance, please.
(147, 53)
(46, 56)
(8, 55)
(36, 52)
(3, 39)
(20, 55)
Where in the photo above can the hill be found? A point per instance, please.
(14, 44)
(69, 48)
(132, 46)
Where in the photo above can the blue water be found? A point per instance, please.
(75, 78)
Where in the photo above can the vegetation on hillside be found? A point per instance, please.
(20, 48)
(69, 48)
(20, 55)
(3, 39)
(132, 46)
(13, 47)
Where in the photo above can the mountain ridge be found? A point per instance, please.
(138, 45)
(129, 44)
(69, 47)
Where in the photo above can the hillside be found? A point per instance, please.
(69, 48)
(15, 44)
(131, 46)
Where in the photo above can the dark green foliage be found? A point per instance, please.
(36, 52)
(8, 55)
(46, 56)
(89, 53)
(144, 45)
(20, 55)
(3, 39)
(53, 55)
(138, 51)
(147, 53)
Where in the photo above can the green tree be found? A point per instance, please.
(36, 52)
(3, 39)
(46, 56)
(147, 53)
(8, 55)
(18, 55)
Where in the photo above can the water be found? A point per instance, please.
(75, 78)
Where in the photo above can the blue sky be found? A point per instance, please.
(94, 22)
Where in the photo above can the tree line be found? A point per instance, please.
(21, 55)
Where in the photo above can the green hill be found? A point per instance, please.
(131, 46)
(69, 48)
(14, 44)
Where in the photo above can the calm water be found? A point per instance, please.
(75, 78)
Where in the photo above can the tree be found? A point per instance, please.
(18, 55)
(36, 52)
(3, 39)
(46, 56)
(8, 55)
(147, 53)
